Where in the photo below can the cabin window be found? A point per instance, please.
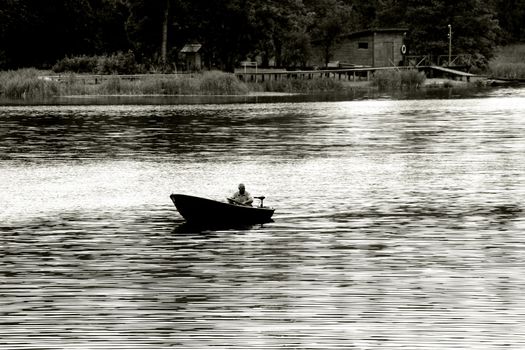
(363, 45)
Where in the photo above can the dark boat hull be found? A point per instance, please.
(204, 211)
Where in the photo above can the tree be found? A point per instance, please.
(13, 14)
(297, 49)
(332, 19)
(365, 12)
(391, 13)
(477, 31)
(165, 23)
(276, 27)
(222, 27)
(511, 16)
(475, 28)
(108, 27)
(37, 33)
(143, 29)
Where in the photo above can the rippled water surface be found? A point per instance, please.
(399, 224)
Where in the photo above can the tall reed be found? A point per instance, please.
(206, 83)
(509, 62)
(25, 84)
(31, 83)
(507, 70)
(215, 82)
(298, 85)
(397, 79)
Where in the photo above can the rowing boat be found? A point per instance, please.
(203, 210)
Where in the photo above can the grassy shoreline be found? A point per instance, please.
(31, 83)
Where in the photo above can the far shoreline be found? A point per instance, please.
(32, 86)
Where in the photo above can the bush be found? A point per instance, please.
(79, 64)
(412, 78)
(117, 63)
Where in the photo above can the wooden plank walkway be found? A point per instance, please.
(349, 74)
(357, 73)
(454, 72)
(345, 74)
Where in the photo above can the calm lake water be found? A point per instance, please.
(399, 224)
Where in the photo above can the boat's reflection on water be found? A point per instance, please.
(205, 228)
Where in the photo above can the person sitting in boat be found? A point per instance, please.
(241, 197)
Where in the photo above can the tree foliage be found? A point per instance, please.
(39, 33)
(511, 16)
(475, 29)
(36, 33)
(332, 18)
(280, 30)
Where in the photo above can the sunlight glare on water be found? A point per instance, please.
(398, 225)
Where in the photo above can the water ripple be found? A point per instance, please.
(398, 225)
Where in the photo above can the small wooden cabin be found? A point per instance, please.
(372, 48)
(191, 56)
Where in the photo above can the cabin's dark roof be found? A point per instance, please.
(191, 48)
(372, 31)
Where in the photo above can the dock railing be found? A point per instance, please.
(461, 60)
(418, 61)
(340, 74)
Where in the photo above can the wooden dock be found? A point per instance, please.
(348, 74)
(453, 72)
(262, 75)
(340, 74)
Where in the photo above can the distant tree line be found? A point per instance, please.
(39, 32)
